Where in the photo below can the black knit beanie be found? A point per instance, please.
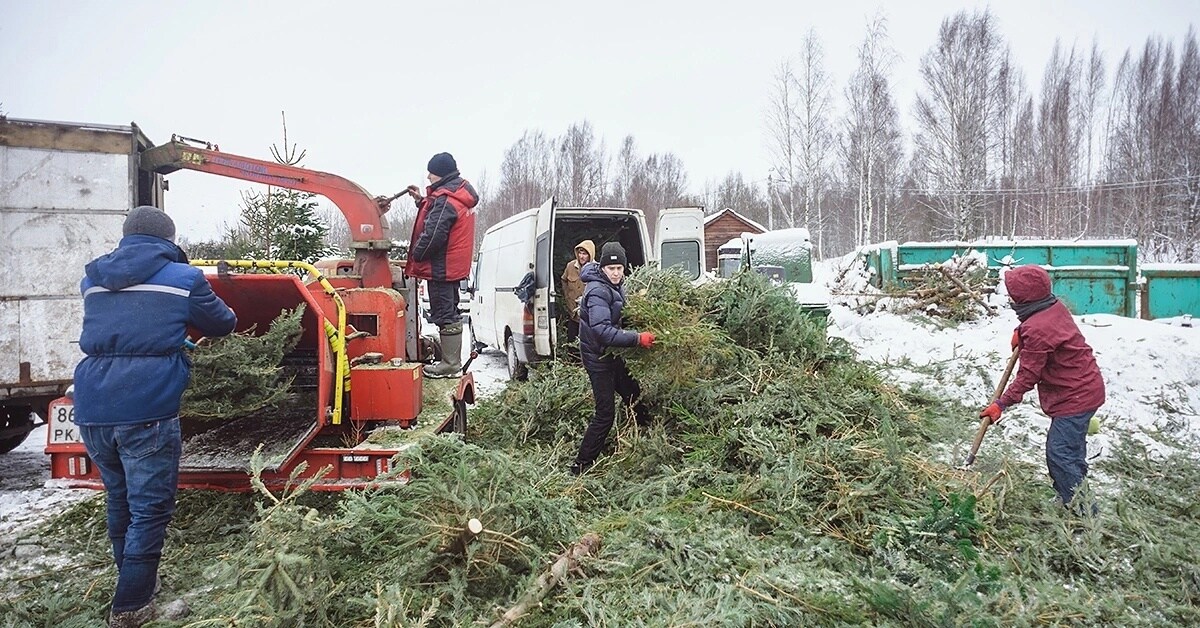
(442, 164)
(612, 253)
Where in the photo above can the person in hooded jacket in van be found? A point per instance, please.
(572, 285)
(138, 302)
(599, 329)
(1056, 359)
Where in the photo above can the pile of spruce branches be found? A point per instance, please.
(783, 482)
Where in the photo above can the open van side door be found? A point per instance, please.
(544, 309)
(679, 240)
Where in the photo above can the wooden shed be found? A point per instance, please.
(722, 227)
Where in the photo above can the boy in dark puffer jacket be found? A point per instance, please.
(1055, 358)
(599, 329)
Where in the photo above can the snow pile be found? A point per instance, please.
(1151, 369)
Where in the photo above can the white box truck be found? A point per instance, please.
(65, 189)
(538, 243)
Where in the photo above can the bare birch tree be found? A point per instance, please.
(579, 166)
(742, 197)
(1138, 153)
(782, 126)
(955, 115)
(814, 136)
(871, 142)
(526, 174)
(1184, 191)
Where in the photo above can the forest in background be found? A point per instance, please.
(1104, 147)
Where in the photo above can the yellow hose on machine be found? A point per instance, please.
(335, 334)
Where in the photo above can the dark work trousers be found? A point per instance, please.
(443, 302)
(1066, 453)
(572, 330)
(614, 379)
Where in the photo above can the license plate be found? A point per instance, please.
(62, 425)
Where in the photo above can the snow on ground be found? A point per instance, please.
(28, 497)
(1151, 369)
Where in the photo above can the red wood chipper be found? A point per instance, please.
(355, 371)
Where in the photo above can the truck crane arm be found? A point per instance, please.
(368, 228)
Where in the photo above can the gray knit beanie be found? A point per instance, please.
(147, 220)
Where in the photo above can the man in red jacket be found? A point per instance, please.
(440, 252)
(1056, 359)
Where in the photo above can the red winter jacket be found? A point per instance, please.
(1054, 355)
(443, 236)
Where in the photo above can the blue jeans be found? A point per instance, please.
(1066, 453)
(140, 468)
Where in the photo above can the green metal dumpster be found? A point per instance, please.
(1170, 290)
(1090, 276)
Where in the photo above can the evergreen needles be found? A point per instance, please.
(791, 487)
(240, 373)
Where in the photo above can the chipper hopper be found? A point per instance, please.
(355, 372)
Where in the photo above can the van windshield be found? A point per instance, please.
(683, 256)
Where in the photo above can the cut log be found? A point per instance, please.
(589, 544)
(466, 535)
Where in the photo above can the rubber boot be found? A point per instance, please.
(451, 364)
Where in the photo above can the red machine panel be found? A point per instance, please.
(385, 392)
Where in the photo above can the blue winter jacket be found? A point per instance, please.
(600, 318)
(137, 304)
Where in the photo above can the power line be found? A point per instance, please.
(1094, 187)
(1023, 191)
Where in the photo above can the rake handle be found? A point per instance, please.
(986, 422)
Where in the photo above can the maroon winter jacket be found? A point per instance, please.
(1054, 355)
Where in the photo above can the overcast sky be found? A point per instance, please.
(373, 89)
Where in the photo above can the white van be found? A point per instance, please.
(539, 242)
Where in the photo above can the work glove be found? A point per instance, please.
(992, 412)
(415, 192)
(1016, 340)
(645, 339)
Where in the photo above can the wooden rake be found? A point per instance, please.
(986, 422)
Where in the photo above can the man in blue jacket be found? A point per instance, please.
(600, 328)
(138, 302)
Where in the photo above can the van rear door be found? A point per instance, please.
(544, 331)
(679, 240)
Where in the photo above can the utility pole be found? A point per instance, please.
(770, 201)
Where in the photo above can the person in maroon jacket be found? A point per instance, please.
(440, 252)
(1055, 358)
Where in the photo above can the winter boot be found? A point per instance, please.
(451, 364)
(578, 468)
(132, 619)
